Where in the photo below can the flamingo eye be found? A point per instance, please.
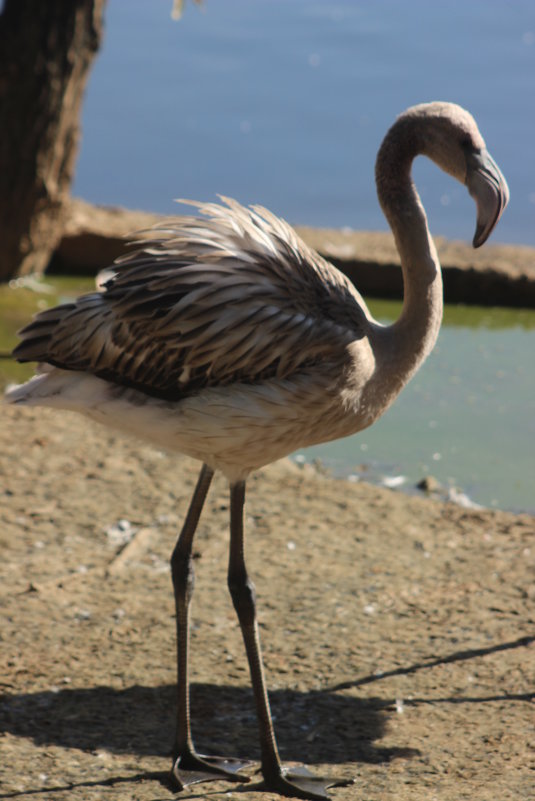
(468, 145)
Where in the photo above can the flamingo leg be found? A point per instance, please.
(294, 782)
(188, 766)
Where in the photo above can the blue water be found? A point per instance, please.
(285, 102)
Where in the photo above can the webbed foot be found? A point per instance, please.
(191, 768)
(299, 782)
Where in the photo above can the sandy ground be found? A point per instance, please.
(398, 632)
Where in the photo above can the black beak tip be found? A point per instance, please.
(479, 239)
(489, 189)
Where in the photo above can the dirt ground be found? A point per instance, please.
(398, 632)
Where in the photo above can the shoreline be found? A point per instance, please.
(496, 275)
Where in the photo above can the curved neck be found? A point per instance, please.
(416, 330)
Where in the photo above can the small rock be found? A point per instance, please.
(429, 484)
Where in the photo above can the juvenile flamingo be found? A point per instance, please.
(226, 338)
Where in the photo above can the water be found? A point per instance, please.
(467, 418)
(285, 103)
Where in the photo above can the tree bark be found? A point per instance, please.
(46, 50)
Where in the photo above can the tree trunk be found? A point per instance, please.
(46, 49)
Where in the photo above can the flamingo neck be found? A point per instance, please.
(412, 337)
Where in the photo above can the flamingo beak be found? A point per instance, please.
(489, 189)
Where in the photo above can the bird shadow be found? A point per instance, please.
(311, 727)
(314, 726)
(317, 726)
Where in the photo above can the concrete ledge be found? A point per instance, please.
(495, 275)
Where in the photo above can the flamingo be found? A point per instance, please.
(226, 338)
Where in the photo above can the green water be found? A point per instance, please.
(18, 303)
(467, 418)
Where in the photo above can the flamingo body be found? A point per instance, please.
(230, 341)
